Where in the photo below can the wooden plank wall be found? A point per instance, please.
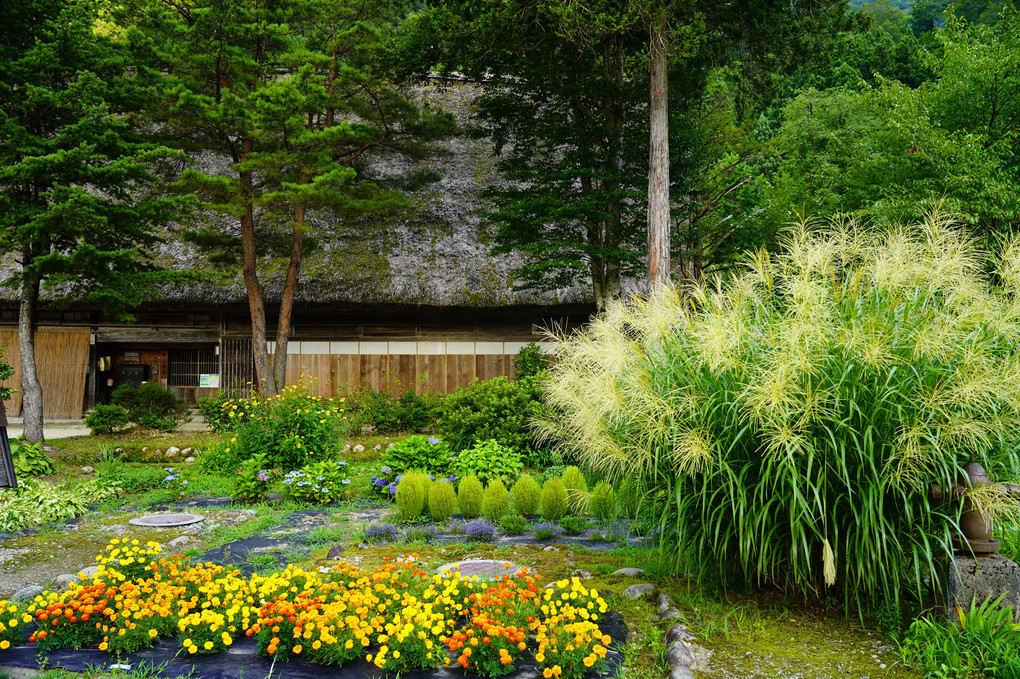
(62, 356)
(395, 373)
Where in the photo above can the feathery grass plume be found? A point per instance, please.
(821, 386)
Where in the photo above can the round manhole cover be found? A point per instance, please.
(166, 520)
(485, 569)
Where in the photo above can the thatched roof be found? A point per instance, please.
(435, 254)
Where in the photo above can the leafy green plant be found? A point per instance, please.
(176, 486)
(427, 453)
(527, 495)
(215, 409)
(469, 497)
(222, 457)
(575, 525)
(786, 421)
(495, 501)
(531, 361)
(6, 372)
(554, 500)
(150, 405)
(411, 494)
(388, 414)
(602, 503)
(107, 418)
(986, 643)
(36, 502)
(31, 460)
(442, 499)
(513, 524)
(489, 460)
(254, 479)
(292, 429)
(499, 409)
(322, 482)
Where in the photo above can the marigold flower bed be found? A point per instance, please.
(398, 618)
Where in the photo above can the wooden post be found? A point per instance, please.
(7, 477)
(658, 158)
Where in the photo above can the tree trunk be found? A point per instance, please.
(658, 159)
(256, 303)
(31, 389)
(283, 326)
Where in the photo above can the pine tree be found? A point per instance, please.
(77, 210)
(288, 99)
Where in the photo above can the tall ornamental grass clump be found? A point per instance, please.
(784, 423)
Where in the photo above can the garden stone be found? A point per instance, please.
(173, 450)
(359, 448)
(187, 451)
(335, 551)
(581, 573)
(390, 446)
(189, 459)
(681, 672)
(679, 655)
(666, 608)
(87, 470)
(5, 536)
(118, 450)
(443, 550)
(550, 548)
(88, 572)
(638, 591)
(178, 541)
(629, 572)
(377, 447)
(27, 593)
(679, 633)
(975, 579)
(145, 449)
(63, 581)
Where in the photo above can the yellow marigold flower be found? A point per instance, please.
(208, 645)
(153, 633)
(297, 649)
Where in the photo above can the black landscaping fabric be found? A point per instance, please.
(242, 662)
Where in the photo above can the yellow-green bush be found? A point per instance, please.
(496, 501)
(554, 499)
(527, 495)
(442, 499)
(602, 503)
(469, 497)
(411, 493)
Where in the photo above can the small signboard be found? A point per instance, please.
(132, 357)
(209, 380)
(7, 478)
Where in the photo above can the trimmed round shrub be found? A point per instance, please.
(573, 479)
(496, 501)
(107, 418)
(602, 503)
(554, 500)
(527, 495)
(469, 497)
(411, 495)
(513, 524)
(442, 499)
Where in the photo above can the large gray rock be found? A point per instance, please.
(27, 593)
(638, 591)
(179, 541)
(976, 579)
(87, 573)
(679, 633)
(681, 672)
(629, 572)
(679, 654)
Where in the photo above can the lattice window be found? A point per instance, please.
(186, 365)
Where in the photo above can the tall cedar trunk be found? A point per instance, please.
(658, 160)
(283, 326)
(256, 303)
(28, 321)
